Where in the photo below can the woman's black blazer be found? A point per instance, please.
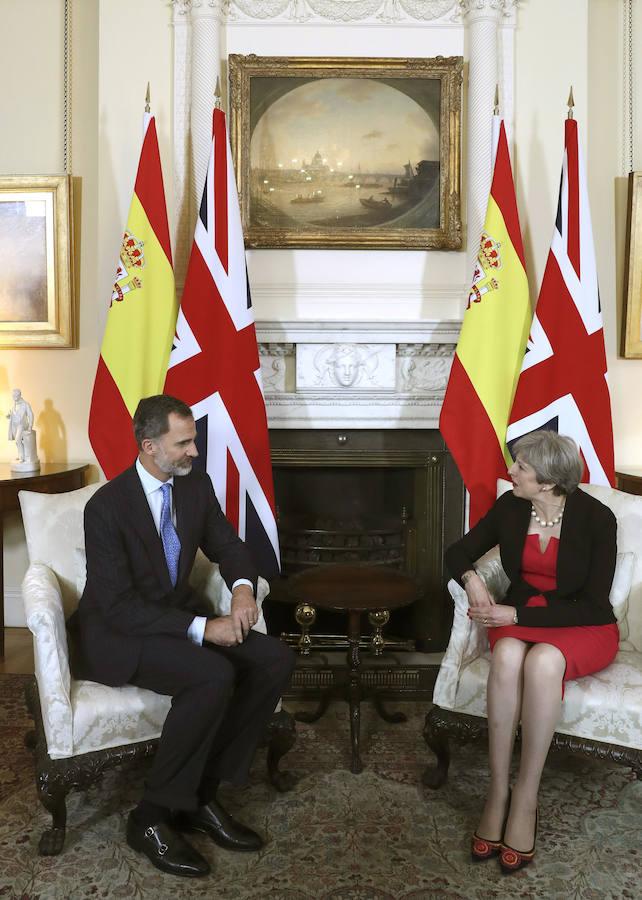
(585, 561)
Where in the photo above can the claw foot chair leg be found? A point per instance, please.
(437, 740)
(440, 726)
(52, 839)
(282, 737)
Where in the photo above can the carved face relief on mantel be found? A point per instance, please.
(350, 366)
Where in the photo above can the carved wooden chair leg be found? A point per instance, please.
(52, 839)
(282, 737)
(436, 738)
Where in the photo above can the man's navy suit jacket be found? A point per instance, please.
(128, 595)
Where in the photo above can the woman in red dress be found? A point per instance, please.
(558, 548)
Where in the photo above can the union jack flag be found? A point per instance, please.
(563, 381)
(214, 364)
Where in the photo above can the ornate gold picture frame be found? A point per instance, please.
(347, 153)
(632, 332)
(37, 306)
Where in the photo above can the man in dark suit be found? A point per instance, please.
(141, 623)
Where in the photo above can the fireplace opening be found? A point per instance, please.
(382, 498)
(321, 541)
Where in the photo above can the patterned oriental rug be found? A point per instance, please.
(337, 836)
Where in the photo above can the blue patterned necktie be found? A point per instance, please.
(169, 537)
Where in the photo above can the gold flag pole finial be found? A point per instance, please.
(496, 107)
(571, 104)
(147, 100)
(217, 94)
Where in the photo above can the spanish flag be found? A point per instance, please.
(142, 317)
(491, 346)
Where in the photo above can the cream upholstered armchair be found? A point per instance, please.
(82, 728)
(601, 713)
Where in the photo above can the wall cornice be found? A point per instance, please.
(340, 12)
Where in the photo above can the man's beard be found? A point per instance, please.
(170, 468)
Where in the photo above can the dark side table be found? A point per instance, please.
(53, 478)
(629, 480)
(353, 590)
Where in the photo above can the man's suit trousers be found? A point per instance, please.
(222, 700)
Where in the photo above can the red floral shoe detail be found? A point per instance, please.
(482, 848)
(512, 860)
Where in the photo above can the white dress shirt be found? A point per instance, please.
(152, 487)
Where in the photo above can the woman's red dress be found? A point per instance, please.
(586, 648)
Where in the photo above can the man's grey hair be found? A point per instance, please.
(151, 419)
(554, 457)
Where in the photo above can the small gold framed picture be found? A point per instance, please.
(37, 306)
(632, 318)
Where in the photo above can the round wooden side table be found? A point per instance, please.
(353, 590)
(53, 478)
(629, 480)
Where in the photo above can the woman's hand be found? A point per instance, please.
(493, 616)
(477, 592)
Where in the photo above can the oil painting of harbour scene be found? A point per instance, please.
(364, 154)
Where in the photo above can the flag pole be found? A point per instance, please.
(147, 100)
(217, 93)
(496, 105)
(570, 103)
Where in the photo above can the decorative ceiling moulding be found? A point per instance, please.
(330, 12)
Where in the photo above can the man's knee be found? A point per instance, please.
(218, 680)
(272, 656)
(281, 657)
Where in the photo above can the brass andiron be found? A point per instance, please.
(305, 615)
(378, 618)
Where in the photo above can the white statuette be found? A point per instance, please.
(21, 431)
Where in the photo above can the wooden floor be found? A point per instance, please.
(18, 652)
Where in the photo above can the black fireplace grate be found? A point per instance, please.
(325, 542)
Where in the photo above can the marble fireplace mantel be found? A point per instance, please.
(355, 374)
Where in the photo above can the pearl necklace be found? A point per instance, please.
(543, 522)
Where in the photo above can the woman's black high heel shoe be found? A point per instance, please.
(482, 849)
(512, 860)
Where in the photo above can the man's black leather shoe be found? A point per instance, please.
(225, 831)
(166, 849)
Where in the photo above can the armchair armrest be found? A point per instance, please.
(46, 620)
(468, 640)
